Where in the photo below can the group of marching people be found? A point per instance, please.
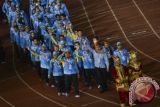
(62, 55)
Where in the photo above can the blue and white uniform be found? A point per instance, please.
(123, 55)
(88, 60)
(45, 57)
(70, 66)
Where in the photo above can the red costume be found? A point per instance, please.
(120, 77)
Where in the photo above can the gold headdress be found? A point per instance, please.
(132, 55)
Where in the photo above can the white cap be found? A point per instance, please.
(119, 43)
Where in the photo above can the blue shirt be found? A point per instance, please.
(123, 55)
(35, 49)
(100, 59)
(70, 66)
(45, 57)
(69, 40)
(27, 40)
(109, 51)
(6, 8)
(88, 61)
(55, 68)
(83, 39)
(22, 39)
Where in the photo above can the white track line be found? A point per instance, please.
(149, 24)
(27, 85)
(84, 105)
(122, 30)
(89, 21)
(105, 100)
(6, 101)
(140, 32)
(6, 79)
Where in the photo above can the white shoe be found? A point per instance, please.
(59, 94)
(66, 94)
(77, 96)
(52, 86)
(99, 86)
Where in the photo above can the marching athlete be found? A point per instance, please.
(71, 74)
(122, 53)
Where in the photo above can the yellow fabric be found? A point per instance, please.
(78, 56)
(35, 54)
(64, 33)
(53, 40)
(73, 36)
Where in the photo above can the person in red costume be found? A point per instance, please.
(120, 78)
(134, 67)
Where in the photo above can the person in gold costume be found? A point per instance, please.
(134, 67)
(120, 78)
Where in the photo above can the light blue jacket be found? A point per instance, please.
(88, 61)
(45, 57)
(22, 39)
(55, 68)
(100, 59)
(27, 40)
(69, 40)
(36, 49)
(123, 55)
(70, 66)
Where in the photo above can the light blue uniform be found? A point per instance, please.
(45, 57)
(17, 2)
(70, 66)
(22, 39)
(88, 61)
(100, 59)
(35, 49)
(12, 17)
(24, 17)
(5, 9)
(59, 32)
(44, 2)
(108, 51)
(82, 39)
(123, 55)
(56, 68)
(69, 40)
(66, 21)
(67, 48)
(27, 40)
(64, 7)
